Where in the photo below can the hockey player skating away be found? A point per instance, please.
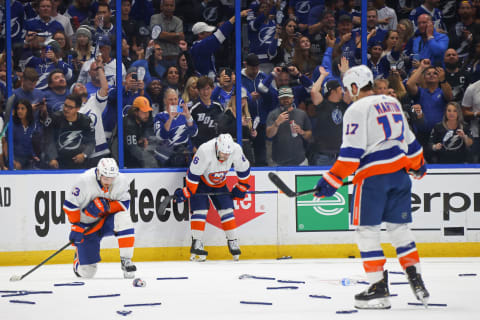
(380, 148)
(100, 193)
(207, 173)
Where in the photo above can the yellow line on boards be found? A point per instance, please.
(457, 249)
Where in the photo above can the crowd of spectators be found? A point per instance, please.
(179, 84)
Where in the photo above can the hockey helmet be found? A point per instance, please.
(107, 167)
(360, 75)
(224, 144)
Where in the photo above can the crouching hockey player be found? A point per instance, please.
(380, 148)
(207, 173)
(100, 197)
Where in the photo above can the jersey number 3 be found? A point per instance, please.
(392, 130)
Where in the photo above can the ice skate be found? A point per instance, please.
(376, 296)
(197, 253)
(76, 263)
(128, 268)
(417, 285)
(234, 249)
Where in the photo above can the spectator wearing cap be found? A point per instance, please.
(377, 62)
(227, 123)
(289, 128)
(261, 103)
(327, 126)
(48, 61)
(428, 42)
(70, 136)
(44, 21)
(171, 30)
(83, 44)
(387, 18)
(154, 94)
(205, 112)
(137, 128)
(261, 33)
(202, 50)
(175, 128)
(104, 47)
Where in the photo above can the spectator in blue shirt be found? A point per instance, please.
(428, 7)
(57, 91)
(44, 21)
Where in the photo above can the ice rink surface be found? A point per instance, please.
(213, 291)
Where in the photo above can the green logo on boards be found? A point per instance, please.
(315, 214)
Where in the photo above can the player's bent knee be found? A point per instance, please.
(368, 238)
(122, 221)
(87, 270)
(223, 212)
(400, 234)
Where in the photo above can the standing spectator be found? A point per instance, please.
(380, 64)
(154, 65)
(429, 43)
(345, 43)
(16, 23)
(429, 7)
(171, 78)
(136, 130)
(83, 49)
(154, 93)
(450, 139)
(300, 9)
(43, 22)
(471, 112)
(63, 20)
(387, 18)
(227, 123)
(457, 78)
(64, 45)
(319, 26)
(80, 11)
(93, 106)
(289, 127)
(27, 90)
(327, 130)
(205, 112)
(130, 26)
(463, 33)
(57, 91)
(226, 87)
(27, 134)
(282, 47)
(432, 99)
(303, 58)
(70, 136)
(202, 50)
(376, 33)
(473, 63)
(176, 128)
(172, 30)
(103, 22)
(185, 64)
(190, 93)
(380, 86)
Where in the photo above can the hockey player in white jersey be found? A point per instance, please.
(207, 173)
(100, 194)
(381, 149)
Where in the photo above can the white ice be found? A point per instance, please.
(213, 291)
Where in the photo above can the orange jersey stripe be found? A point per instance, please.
(73, 215)
(383, 168)
(343, 169)
(192, 186)
(417, 161)
(374, 265)
(97, 227)
(409, 260)
(115, 206)
(197, 225)
(126, 242)
(229, 225)
(245, 181)
(357, 204)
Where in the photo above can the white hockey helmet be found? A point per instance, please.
(107, 167)
(360, 75)
(224, 143)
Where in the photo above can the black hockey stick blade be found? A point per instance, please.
(281, 185)
(289, 192)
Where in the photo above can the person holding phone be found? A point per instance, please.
(174, 128)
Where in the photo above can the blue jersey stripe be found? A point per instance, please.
(371, 254)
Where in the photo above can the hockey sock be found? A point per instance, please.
(228, 223)
(126, 240)
(197, 224)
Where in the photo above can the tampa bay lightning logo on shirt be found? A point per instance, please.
(337, 116)
(210, 14)
(70, 140)
(302, 6)
(217, 177)
(452, 141)
(266, 34)
(93, 118)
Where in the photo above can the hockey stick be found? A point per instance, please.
(289, 192)
(17, 277)
(164, 204)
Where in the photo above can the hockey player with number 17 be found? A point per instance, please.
(380, 148)
(208, 173)
(100, 195)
